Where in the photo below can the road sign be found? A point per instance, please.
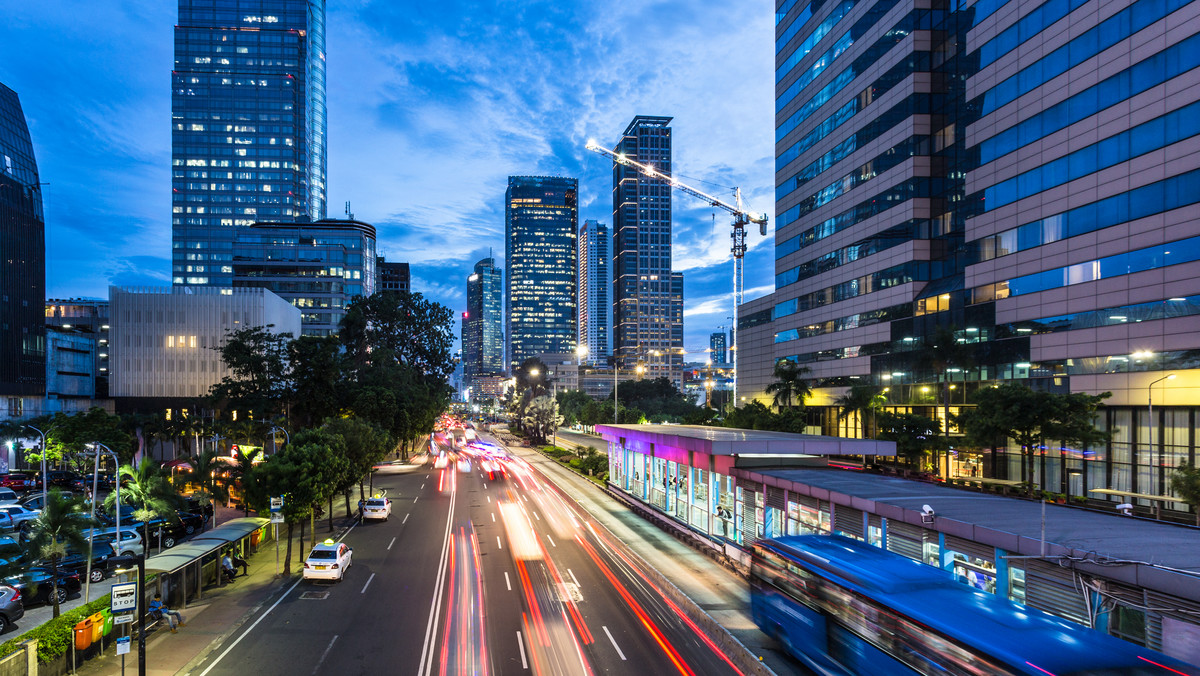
(276, 505)
(276, 517)
(123, 645)
(124, 597)
(124, 618)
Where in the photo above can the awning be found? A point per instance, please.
(203, 544)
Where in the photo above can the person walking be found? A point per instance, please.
(173, 617)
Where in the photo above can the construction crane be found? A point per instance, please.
(741, 218)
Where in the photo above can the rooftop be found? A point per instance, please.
(729, 441)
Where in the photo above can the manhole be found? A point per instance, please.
(314, 595)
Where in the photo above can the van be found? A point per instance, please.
(130, 543)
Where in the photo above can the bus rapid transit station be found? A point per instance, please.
(724, 489)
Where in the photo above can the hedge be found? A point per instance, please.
(56, 636)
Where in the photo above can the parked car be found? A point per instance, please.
(8, 496)
(65, 479)
(35, 586)
(131, 540)
(11, 552)
(18, 481)
(75, 563)
(11, 609)
(22, 517)
(34, 500)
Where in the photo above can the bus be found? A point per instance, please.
(843, 607)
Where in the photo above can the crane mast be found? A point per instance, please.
(741, 218)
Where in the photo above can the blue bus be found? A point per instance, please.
(845, 608)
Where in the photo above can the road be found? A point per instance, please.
(473, 576)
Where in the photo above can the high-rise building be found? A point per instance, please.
(23, 264)
(393, 275)
(1025, 179)
(717, 347)
(541, 220)
(647, 316)
(594, 283)
(87, 320)
(248, 126)
(318, 267)
(482, 342)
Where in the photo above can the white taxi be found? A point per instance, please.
(328, 561)
(376, 508)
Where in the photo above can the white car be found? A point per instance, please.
(22, 518)
(328, 561)
(131, 540)
(377, 508)
(441, 461)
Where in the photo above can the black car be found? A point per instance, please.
(75, 563)
(35, 586)
(34, 500)
(170, 531)
(64, 479)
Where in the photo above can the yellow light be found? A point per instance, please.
(924, 389)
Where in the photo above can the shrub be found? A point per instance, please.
(56, 636)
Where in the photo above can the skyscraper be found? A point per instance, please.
(594, 282)
(541, 220)
(717, 345)
(647, 319)
(1023, 180)
(393, 275)
(23, 265)
(248, 126)
(482, 342)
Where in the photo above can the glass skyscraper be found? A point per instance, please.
(23, 267)
(594, 284)
(541, 219)
(1022, 174)
(248, 126)
(647, 315)
(482, 342)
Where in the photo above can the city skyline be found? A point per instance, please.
(402, 82)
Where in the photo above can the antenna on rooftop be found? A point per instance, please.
(349, 214)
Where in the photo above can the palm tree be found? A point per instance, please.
(244, 460)
(789, 384)
(60, 525)
(858, 401)
(150, 490)
(204, 474)
(945, 353)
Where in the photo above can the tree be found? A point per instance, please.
(541, 418)
(243, 462)
(860, 400)
(752, 416)
(282, 475)
(327, 451)
(205, 468)
(1185, 481)
(148, 489)
(915, 435)
(789, 384)
(318, 371)
(70, 436)
(532, 374)
(259, 379)
(402, 325)
(365, 445)
(572, 404)
(943, 353)
(61, 524)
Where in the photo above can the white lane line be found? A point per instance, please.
(521, 648)
(485, 485)
(573, 577)
(422, 486)
(368, 584)
(268, 612)
(435, 606)
(325, 654)
(493, 517)
(551, 540)
(393, 541)
(498, 544)
(404, 521)
(614, 642)
(489, 498)
(507, 582)
(416, 498)
(535, 515)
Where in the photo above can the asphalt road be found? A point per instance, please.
(473, 576)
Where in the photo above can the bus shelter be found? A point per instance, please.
(185, 569)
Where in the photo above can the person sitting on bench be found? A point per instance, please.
(227, 567)
(171, 616)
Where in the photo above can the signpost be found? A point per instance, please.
(124, 597)
(276, 519)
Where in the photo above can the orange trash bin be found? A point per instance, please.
(83, 635)
(97, 621)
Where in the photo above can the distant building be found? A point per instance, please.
(87, 320)
(22, 266)
(541, 224)
(717, 347)
(163, 340)
(393, 276)
(594, 284)
(647, 316)
(318, 267)
(248, 126)
(482, 342)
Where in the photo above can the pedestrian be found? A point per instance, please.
(171, 616)
(227, 567)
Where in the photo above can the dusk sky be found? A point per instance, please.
(431, 107)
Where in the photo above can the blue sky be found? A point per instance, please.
(431, 107)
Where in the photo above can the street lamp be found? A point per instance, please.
(124, 562)
(1150, 422)
(43, 454)
(287, 438)
(87, 591)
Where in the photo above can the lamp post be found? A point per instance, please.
(141, 604)
(87, 590)
(286, 437)
(1150, 423)
(43, 454)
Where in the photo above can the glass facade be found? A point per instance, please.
(594, 283)
(248, 126)
(482, 340)
(541, 217)
(23, 269)
(647, 314)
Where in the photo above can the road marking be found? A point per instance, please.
(485, 485)
(498, 544)
(535, 515)
(325, 654)
(489, 498)
(573, 577)
(404, 521)
(507, 582)
(521, 648)
(493, 517)
(614, 642)
(392, 542)
(416, 498)
(422, 486)
(364, 589)
(551, 540)
(435, 606)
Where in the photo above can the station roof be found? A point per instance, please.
(730, 441)
(203, 544)
(1140, 551)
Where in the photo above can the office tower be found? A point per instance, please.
(483, 344)
(717, 347)
(647, 319)
(1021, 178)
(594, 282)
(393, 276)
(318, 267)
(541, 220)
(23, 267)
(248, 126)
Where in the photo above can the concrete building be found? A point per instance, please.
(482, 340)
(392, 275)
(594, 285)
(87, 317)
(163, 340)
(1026, 179)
